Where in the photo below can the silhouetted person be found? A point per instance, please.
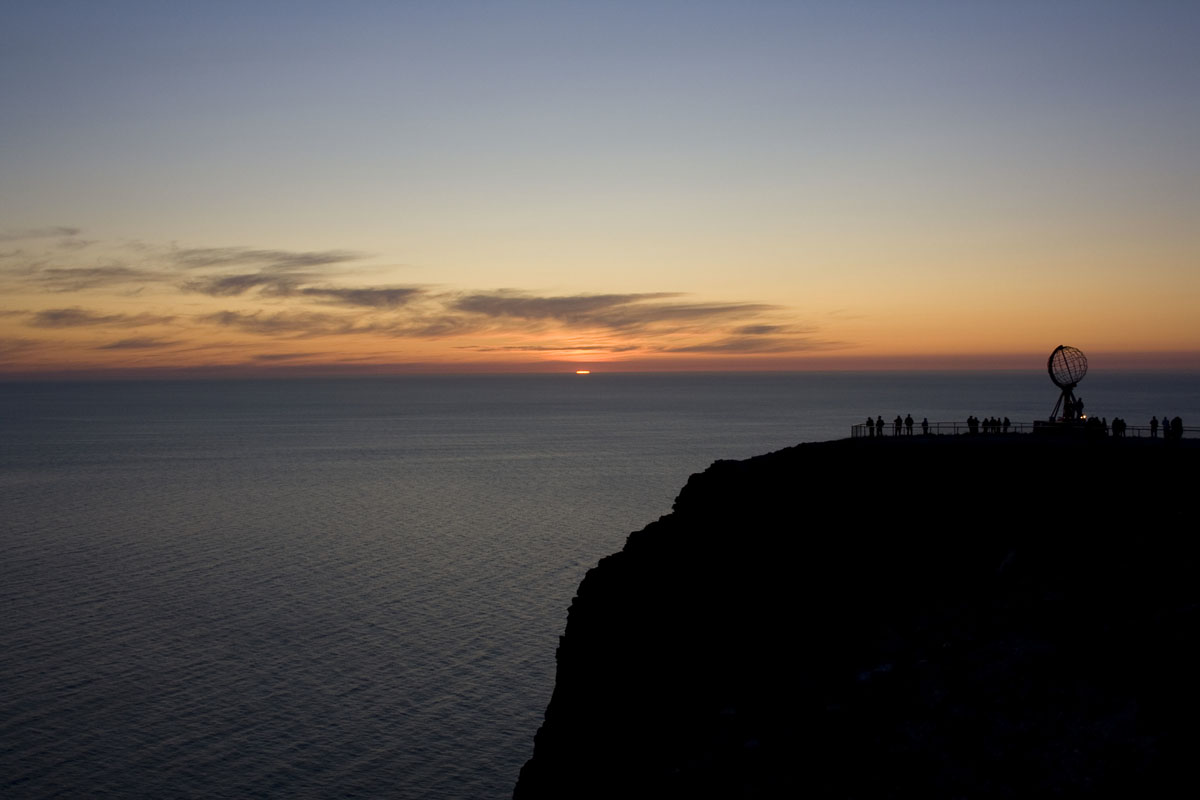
(925, 426)
(908, 423)
(870, 427)
(879, 425)
(1177, 429)
(1154, 427)
(896, 424)
(1006, 423)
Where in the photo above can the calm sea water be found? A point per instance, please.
(354, 587)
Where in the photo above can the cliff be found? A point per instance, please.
(940, 617)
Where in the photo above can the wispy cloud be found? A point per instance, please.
(537, 348)
(281, 260)
(137, 343)
(508, 312)
(618, 312)
(78, 317)
(271, 284)
(760, 330)
(283, 273)
(13, 346)
(435, 326)
(73, 243)
(305, 294)
(291, 284)
(305, 324)
(72, 279)
(287, 323)
(569, 308)
(51, 232)
(756, 344)
(371, 297)
(271, 357)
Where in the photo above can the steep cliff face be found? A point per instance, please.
(942, 617)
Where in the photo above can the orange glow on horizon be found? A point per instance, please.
(185, 320)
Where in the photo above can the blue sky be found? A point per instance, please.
(864, 166)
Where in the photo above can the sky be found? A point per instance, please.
(261, 188)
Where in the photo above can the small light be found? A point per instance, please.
(583, 372)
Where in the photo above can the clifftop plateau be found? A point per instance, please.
(946, 616)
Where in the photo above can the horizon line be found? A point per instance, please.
(1156, 361)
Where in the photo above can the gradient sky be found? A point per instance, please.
(268, 186)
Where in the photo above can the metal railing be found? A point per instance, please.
(863, 431)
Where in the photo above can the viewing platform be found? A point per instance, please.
(1066, 366)
(963, 428)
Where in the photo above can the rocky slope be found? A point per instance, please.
(940, 617)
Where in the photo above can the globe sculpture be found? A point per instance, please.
(1067, 366)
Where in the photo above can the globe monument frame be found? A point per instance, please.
(1067, 367)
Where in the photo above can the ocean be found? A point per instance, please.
(354, 587)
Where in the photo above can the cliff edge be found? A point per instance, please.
(1005, 616)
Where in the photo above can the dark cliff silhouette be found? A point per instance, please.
(888, 617)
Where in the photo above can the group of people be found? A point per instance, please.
(989, 425)
(1172, 430)
(899, 425)
(1072, 408)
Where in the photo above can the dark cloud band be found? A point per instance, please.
(137, 343)
(78, 317)
(282, 260)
